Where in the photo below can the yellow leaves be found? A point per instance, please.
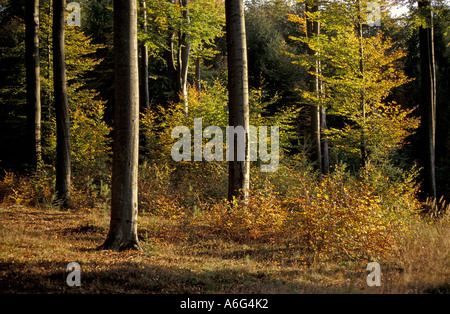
(300, 20)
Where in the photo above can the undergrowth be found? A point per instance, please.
(341, 215)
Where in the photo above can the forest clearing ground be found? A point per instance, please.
(36, 245)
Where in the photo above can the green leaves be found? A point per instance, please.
(359, 73)
(165, 18)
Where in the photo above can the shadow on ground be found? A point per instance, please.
(50, 277)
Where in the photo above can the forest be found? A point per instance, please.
(237, 147)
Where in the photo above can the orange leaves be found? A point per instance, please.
(340, 216)
(262, 218)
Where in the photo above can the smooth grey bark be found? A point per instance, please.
(33, 82)
(124, 188)
(238, 171)
(428, 101)
(63, 166)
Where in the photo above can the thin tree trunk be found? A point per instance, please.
(325, 153)
(49, 55)
(428, 89)
(33, 82)
(312, 29)
(185, 48)
(144, 88)
(238, 171)
(124, 189)
(63, 167)
(323, 121)
(363, 90)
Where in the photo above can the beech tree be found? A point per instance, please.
(428, 90)
(359, 72)
(144, 88)
(314, 82)
(362, 76)
(238, 171)
(124, 187)
(33, 82)
(63, 166)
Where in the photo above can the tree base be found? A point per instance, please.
(117, 244)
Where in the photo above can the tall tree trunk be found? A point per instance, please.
(124, 189)
(49, 55)
(63, 167)
(238, 171)
(185, 48)
(312, 29)
(359, 30)
(428, 89)
(144, 98)
(33, 82)
(323, 123)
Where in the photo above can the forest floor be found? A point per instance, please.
(36, 246)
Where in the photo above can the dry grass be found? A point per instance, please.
(36, 246)
(425, 257)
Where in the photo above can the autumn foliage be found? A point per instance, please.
(339, 216)
(358, 211)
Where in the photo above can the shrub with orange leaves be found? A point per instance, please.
(342, 218)
(35, 190)
(261, 218)
(341, 215)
